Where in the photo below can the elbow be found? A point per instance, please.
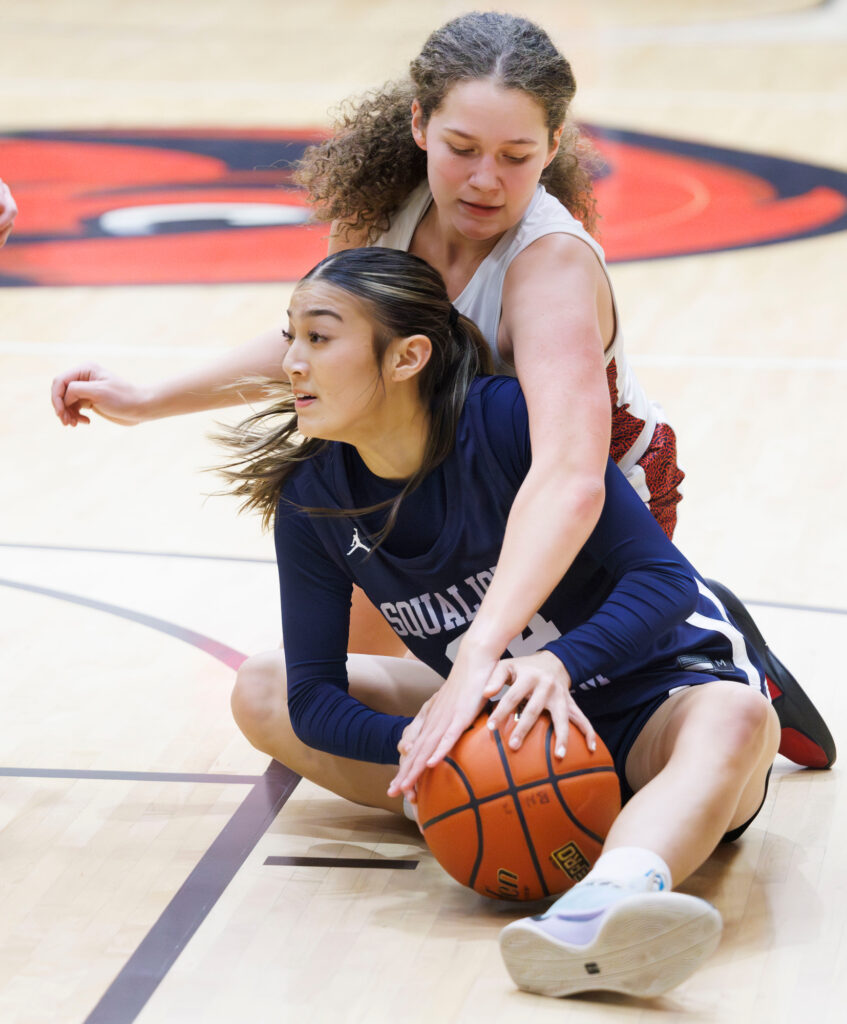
(301, 720)
(584, 497)
(691, 593)
(678, 585)
(589, 497)
(577, 497)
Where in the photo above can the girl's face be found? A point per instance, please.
(338, 392)
(486, 147)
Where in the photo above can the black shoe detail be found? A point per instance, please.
(806, 739)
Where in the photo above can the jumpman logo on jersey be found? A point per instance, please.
(357, 543)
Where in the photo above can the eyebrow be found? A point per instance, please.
(508, 142)
(318, 312)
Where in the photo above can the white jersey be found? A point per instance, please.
(634, 418)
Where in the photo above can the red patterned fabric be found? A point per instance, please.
(661, 472)
(663, 477)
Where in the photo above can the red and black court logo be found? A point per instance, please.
(215, 207)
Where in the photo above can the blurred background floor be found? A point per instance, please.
(134, 815)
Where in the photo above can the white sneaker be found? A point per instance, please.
(602, 936)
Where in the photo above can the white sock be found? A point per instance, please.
(632, 867)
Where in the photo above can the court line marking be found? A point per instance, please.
(47, 348)
(149, 964)
(822, 22)
(142, 973)
(251, 560)
(341, 862)
(812, 99)
(124, 776)
(223, 652)
(756, 363)
(71, 549)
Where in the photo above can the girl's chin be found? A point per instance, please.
(479, 229)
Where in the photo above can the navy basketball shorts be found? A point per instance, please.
(620, 709)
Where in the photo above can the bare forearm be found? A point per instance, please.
(548, 525)
(233, 379)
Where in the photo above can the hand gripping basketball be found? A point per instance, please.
(518, 824)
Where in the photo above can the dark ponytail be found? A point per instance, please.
(403, 295)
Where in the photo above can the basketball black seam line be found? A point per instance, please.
(514, 793)
(523, 787)
(563, 802)
(474, 807)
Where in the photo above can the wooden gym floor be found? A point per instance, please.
(144, 842)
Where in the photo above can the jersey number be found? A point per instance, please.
(539, 632)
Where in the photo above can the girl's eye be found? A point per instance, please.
(287, 336)
(517, 159)
(459, 152)
(315, 337)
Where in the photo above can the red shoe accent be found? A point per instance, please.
(773, 689)
(806, 740)
(801, 750)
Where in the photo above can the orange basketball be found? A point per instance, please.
(518, 824)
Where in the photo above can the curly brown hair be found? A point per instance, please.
(370, 164)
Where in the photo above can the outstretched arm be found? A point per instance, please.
(557, 315)
(212, 386)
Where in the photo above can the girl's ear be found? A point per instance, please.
(554, 145)
(408, 356)
(418, 127)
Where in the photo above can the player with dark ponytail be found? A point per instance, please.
(474, 163)
(404, 486)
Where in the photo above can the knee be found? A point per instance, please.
(749, 725)
(260, 693)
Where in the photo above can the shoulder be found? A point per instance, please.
(549, 233)
(310, 483)
(545, 212)
(343, 235)
(495, 416)
(554, 252)
(490, 394)
(555, 272)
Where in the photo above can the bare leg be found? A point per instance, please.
(698, 768)
(396, 686)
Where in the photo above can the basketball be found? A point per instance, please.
(518, 824)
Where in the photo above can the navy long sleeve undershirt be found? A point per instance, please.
(620, 607)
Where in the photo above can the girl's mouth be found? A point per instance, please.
(479, 208)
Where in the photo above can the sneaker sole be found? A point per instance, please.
(647, 945)
(806, 739)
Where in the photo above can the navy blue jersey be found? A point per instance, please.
(629, 603)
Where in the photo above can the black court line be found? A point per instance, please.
(83, 773)
(129, 993)
(228, 655)
(787, 605)
(139, 978)
(818, 609)
(341, 862)
(136, 553)
(159, 950)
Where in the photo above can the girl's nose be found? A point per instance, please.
(294, 363)
(484, 176)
